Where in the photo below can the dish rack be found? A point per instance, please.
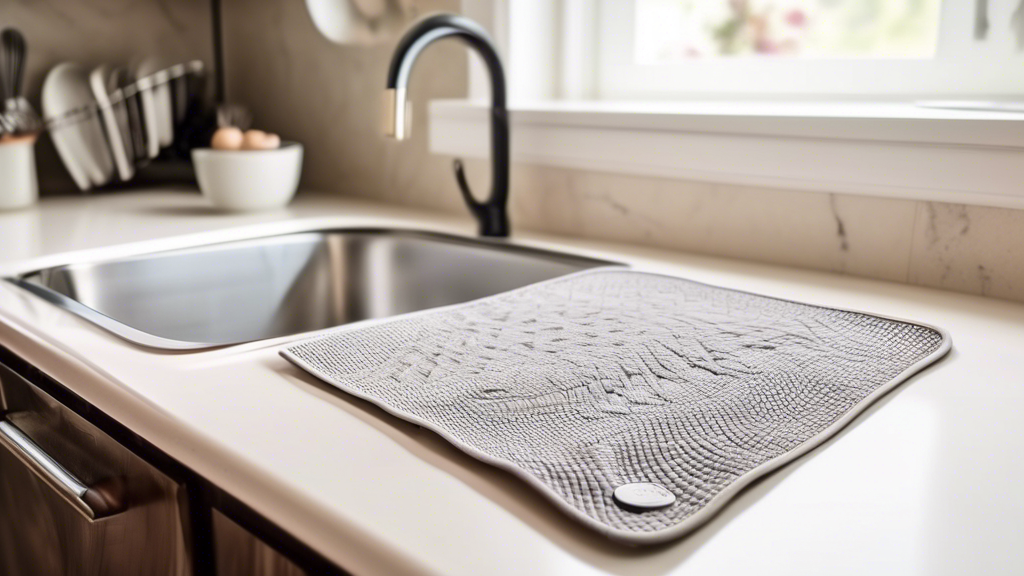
(106, 124)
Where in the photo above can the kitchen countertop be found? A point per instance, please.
(926, 481)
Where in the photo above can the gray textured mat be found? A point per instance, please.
(587, 382)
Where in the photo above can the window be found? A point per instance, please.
(816, 95)
(764, 49)
(672, 30)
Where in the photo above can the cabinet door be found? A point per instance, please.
(75, 502)
(240, 553)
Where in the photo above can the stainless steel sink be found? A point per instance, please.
(276, 286)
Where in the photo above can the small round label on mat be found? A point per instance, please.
(643, 496)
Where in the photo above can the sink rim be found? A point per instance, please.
(145, 339)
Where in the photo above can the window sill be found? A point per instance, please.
(881, 149)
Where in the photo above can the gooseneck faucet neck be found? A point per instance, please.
(491, 214)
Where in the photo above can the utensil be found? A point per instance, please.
(22, 117)
(17, 61)
(13, 46)
(18, 114)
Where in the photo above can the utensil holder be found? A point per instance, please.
(18, 184)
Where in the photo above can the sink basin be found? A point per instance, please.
(281, 285)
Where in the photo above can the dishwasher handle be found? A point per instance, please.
(96, 502)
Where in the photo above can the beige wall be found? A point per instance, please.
(329, 97)
(93, 32)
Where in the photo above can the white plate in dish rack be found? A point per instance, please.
(159, 101)
(81, 144)
(98, 83)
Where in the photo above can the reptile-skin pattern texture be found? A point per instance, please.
(588, 382)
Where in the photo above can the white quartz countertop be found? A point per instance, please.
(927, 481)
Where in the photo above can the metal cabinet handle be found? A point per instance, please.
(95, 502)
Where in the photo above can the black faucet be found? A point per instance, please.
(492, 214)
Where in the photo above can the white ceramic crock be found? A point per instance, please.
(18, 184)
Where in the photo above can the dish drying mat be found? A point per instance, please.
(607, 378)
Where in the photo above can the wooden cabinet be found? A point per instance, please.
(75, 502)
(239, 553)
(82, 495)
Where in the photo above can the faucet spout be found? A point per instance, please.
(492, 213)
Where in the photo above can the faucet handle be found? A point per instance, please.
(490, 214)
(467, 194)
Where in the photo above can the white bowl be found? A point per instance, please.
(249, 179)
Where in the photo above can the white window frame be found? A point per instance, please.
(888, 149)
(958, 56)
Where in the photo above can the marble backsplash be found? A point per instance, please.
(971, 249)
(329, 97)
